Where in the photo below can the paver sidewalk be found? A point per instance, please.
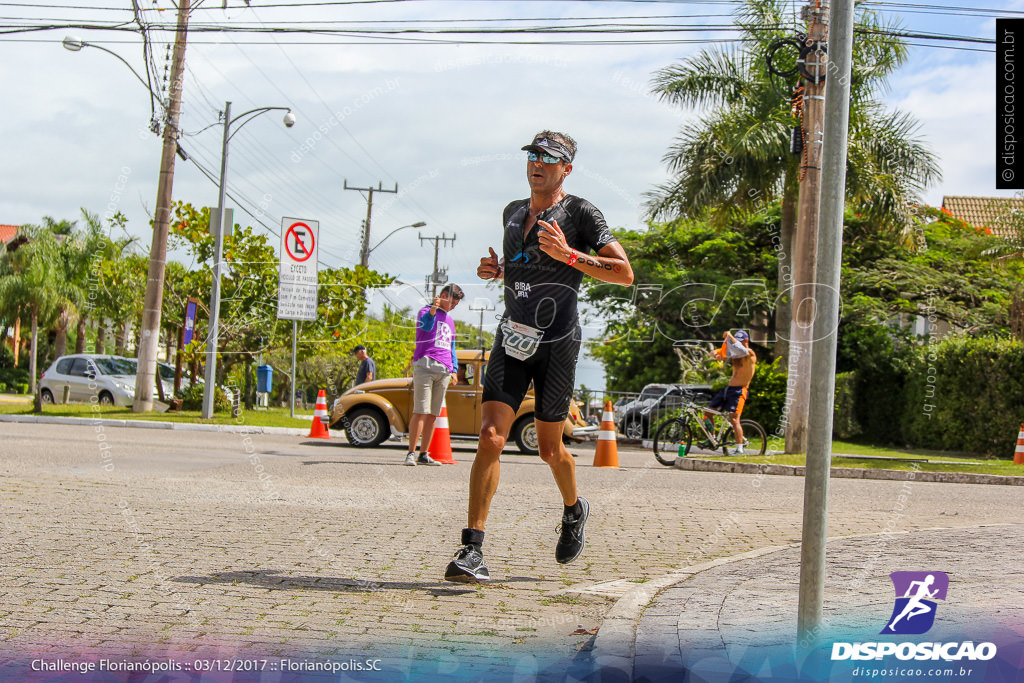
(186, 545)
(739, 617)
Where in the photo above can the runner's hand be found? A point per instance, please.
(552, 241)
(489, 268)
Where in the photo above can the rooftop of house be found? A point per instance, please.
(7, 233)
(995, 213)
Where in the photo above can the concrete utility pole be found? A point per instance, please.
(364, 253)
(436, 276)
(153, 303)
(826, 321)
(805, 240)
(481, 305)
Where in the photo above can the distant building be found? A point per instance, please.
(1001, 216)
(8, 233)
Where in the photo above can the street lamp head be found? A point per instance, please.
(73, 43)
(289, 119)
(418, 224)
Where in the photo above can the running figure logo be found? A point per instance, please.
(916, 592)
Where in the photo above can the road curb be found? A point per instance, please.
(152, 424)
(616, 637)
(701, 465)
(615, 643)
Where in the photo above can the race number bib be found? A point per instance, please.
(520, 341)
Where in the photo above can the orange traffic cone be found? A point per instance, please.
(440, 448)
(607, 454)
(1018, 455)
(318, 430)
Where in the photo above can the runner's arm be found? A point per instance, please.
(610, 265)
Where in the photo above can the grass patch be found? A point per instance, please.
(271, 417)
(562, 600)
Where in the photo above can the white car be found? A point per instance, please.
(82, 377)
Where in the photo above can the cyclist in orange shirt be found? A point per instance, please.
(731, 398)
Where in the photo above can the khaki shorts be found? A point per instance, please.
(429, 384)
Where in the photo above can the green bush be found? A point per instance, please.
(966, 394)
(766, 397)
(22, 388)
(6, 357)
(192, 399)
(13, 376)
(880, 389)
(844, 423)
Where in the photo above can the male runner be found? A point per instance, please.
(547, 249)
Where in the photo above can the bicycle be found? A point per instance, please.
(676, 437)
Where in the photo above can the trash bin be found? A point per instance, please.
(264, 379)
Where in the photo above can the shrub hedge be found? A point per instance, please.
(966, 394)
(959, 394)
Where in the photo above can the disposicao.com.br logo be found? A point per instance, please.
(913, 614)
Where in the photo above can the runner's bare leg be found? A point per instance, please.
(553, 452)
(496, 421)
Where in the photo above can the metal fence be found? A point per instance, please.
(639, 414)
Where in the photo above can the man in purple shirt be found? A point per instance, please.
(433, 366)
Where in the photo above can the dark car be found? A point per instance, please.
(655, 404)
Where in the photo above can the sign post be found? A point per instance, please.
(297, 279)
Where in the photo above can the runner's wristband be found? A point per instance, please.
(573, 258)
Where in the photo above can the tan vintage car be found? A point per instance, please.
(373, 411)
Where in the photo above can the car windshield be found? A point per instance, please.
(651, 392)
(166, 371)
(116, 366)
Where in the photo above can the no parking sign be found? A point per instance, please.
(296, 298)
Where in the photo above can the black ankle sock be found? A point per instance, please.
(473, 537)
(575, 509)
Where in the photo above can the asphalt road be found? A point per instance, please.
(128, 541)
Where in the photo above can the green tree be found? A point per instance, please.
(736, 157)
(248, 323)
(699, 280)
(29, 286)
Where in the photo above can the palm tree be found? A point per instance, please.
(28, 282)
(737, 157)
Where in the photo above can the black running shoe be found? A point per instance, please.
(572, 539)
(467, 567)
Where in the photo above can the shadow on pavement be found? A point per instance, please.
(277, 580)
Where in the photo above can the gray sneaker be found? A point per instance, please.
(410, 459)
(467, 566)
(425, 459)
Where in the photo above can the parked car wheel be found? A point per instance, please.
(46, 397)
(366, 428)
(634, 430)
(106, 398)
(524, 431)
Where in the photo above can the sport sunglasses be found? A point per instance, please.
(546, 158)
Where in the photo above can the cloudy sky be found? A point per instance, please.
(443, 121)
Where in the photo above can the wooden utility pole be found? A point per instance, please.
(805, 240)
(153, 304)
(364, 253)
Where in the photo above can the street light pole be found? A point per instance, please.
(210, 371)
(418, 224)
(153, 303)
(210, 374)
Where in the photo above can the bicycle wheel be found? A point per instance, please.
(755, 439)
(669, 437)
